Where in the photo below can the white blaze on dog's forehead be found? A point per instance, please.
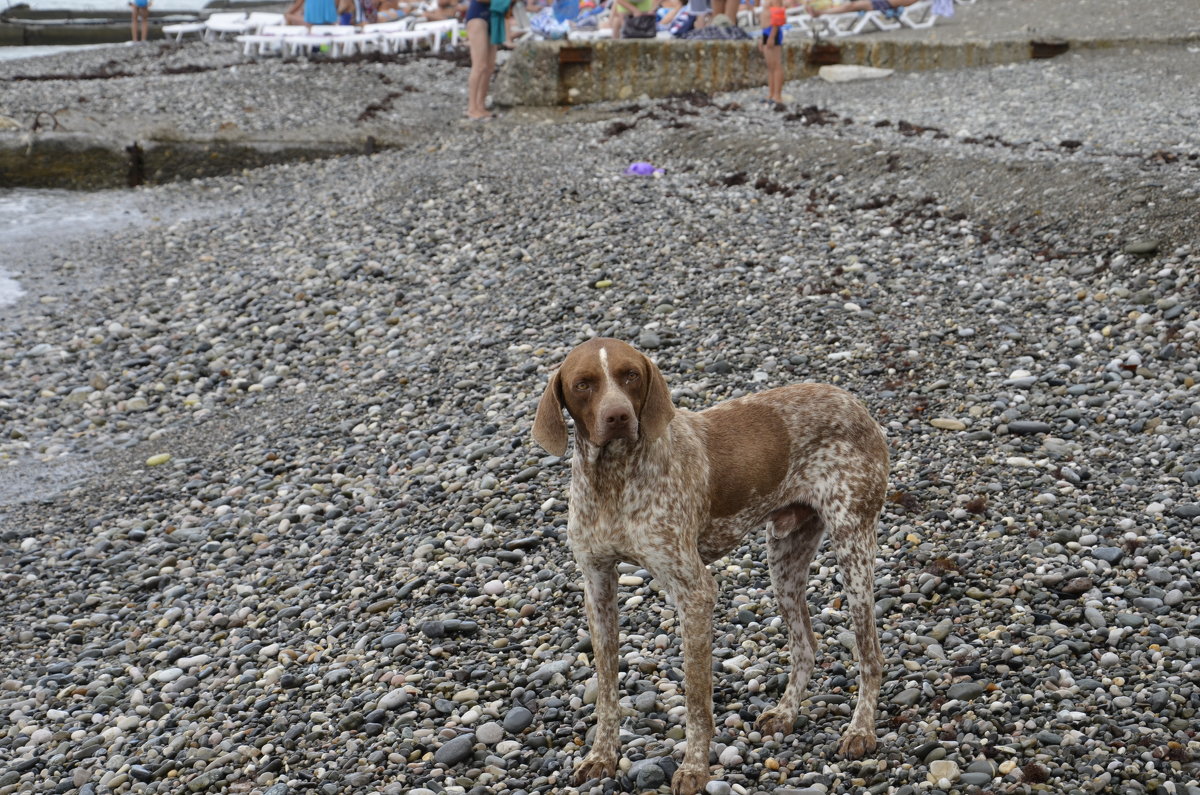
(604, 366)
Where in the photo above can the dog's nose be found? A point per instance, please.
(616, 417)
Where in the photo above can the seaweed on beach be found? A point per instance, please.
(618, 127)
(459, 56)
(811, 114)
(188, 69)
(97, 74)
(700, 99)
(375, 108)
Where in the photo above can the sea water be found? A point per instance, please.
(33, 221)
(80, 8)
(13, 53)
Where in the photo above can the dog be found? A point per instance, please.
(671, 491)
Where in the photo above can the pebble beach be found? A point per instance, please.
(272, 521)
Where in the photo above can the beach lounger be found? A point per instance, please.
(401, 34)
(800, 21)
(852, 24)
(217, 26)
(271, 39)
(181, 29)
(918, 15)
(439, 28)
(337, 40)
(257, 20)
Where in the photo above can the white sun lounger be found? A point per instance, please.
(440, 27)
(919, 15)
(217, 26)
(856, 22)
(181, 29)
(271, 39)
(800, 20)
(401, 34)
(339, 39)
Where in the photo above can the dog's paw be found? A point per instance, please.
(857, 743)
(689, 780)
(775, 720)
(595, 765)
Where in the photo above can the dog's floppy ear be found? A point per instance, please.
(657, 410)
(549, 427)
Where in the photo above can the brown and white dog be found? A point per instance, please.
(672, 490)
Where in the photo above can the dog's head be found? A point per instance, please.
(611, 391)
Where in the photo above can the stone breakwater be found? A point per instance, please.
(299, 539)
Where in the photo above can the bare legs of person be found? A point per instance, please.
(618, 21)
(483, 63)
(773, 55)
(139, 22)
(295, 13)
(853, 6)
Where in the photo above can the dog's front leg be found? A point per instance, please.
(600, 601)
(695, 594)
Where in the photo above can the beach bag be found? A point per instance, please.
(641, 26)
(681, 24)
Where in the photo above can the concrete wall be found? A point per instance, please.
(85, 162)
(570, 73)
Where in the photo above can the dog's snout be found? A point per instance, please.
(616, 417)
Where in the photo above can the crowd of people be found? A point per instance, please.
(489, 27)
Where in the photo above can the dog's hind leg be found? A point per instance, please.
(792, 540)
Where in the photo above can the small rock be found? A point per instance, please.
(1026, 427)
(517, 720)
(1142, 246)
(454, 751)
(489, 733)
(965, 691)
(943, 773)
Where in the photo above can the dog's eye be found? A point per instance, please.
(583, 386)
(631, 376)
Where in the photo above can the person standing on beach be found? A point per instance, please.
(772, 50)
(483, 58)
(139, 11)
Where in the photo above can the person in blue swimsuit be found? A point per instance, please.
(320, 12)
(139, 12)
(483, 59)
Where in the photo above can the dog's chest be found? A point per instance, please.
(627, 511)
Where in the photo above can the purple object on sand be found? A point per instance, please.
(643, 169)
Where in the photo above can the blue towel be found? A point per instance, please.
(566, 10)
(499, 9)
